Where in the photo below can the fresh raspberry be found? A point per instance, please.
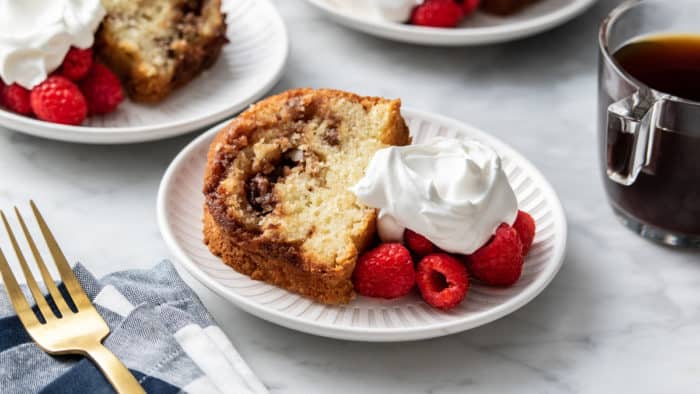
(442, 280)
(437, 13)
(76, 64)
(102, 89)
(58, 100)
(525, 226)
(385, 271)
(16, 98)
(469, 6)
(418, 244)
(500, 261)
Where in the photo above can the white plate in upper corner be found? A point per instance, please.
(180, 202)
(477, 29)
(249, 66)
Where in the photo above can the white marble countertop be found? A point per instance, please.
(623, 315)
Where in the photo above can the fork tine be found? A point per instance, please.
(19, 302)
(69, 280)
(45, 275)
(31, 282)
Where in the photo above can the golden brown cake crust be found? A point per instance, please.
(234, 233)
(196, 35)
(327, 288)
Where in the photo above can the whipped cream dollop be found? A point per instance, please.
(452, 191)
(388, 10)
(35, 35)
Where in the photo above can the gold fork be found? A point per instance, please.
(79, 331)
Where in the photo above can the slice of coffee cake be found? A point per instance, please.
(156, 46)
(278, 206)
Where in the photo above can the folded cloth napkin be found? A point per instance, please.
(159, 329)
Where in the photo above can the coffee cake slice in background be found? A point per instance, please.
(156, 46)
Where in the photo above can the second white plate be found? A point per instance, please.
(477, 29)
(249, 65)
(180, 203)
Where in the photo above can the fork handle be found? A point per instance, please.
(114, 370)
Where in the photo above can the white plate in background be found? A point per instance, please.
(477, 29)
(249, 66)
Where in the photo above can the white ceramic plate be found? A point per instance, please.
(180, 202)
(477, 29)
(249, 65)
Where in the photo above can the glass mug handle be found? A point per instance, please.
(629, 133)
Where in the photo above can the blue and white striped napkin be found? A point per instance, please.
(159, 329)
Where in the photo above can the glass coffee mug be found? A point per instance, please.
(649, 117)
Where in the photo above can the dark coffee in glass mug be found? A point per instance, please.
(649, 117)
